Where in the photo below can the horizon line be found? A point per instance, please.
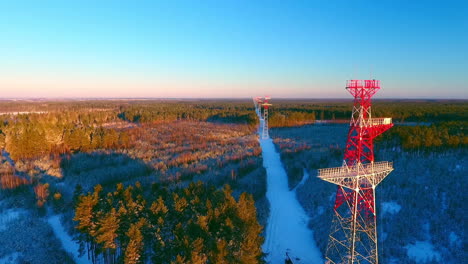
(217, 98)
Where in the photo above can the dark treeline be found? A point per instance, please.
(441, 136)
(299, 112)
(238, 112)
(198, 224)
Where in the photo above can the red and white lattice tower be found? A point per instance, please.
(353, 235)
(265, 104)
(257, 102)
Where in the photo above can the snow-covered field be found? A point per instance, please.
(67, 242)
(422, 252)
(287, 230)
(9, 259)
(390, 207)
(5, 218)
(8, 216)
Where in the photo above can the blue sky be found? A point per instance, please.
(418, 49)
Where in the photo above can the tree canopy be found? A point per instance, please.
(196, 224)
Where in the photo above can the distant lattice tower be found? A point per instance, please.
(257, 102)
(353, 235)
(265, 104)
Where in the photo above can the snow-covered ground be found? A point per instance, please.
(390, 207)
(67, 242)
(422, 251)
(454, 240)
(8, 216)
(287, 229)
(10, 259)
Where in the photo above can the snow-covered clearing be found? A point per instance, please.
(390, 207)
(287, 224)
(455, 240)
(10, 259)
(422, 251)
(67, 242)
(9, 215)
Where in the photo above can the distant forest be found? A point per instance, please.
(77, 126)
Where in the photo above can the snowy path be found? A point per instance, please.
(67, 242)
(287, 224)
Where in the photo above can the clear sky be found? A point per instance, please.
(232, 48)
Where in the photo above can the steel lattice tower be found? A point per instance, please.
(265, 105)
(353, 235)
(257, 102)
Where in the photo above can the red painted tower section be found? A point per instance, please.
(353, 236)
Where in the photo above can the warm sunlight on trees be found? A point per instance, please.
(189, 225)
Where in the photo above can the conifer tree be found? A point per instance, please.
(2, 140)
(179, 260)
(135, 246)
(107, 233)
(197, 254)
(193, 225)
(221, 252)
(251, 251)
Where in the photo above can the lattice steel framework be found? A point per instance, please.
(257, 102)
(353, 235)
(265, 104)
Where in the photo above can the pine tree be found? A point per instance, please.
(197, 255)
(135, 246)
(124, 140)
(179, 203)
(2, 141)
(221, 252)
(179, 260)
(110, 139)
(107, 232)
(84, 217)
(158, 207)
(251, 251)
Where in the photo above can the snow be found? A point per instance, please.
(10, 259)
(287, 229)
(444, 203)
(422, 251)
(454, 240)
(383, 235)
(67, 242)
(390, 208)
(9, 215)
(304, 179)
(320, 210)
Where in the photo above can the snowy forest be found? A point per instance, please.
(183, 181)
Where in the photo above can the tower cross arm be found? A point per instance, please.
(354, 176)
(380, 121)
(378, 126)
